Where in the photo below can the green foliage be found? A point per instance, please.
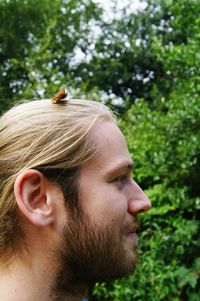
(38, 39)
(130, 56)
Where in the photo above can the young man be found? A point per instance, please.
(68, 203)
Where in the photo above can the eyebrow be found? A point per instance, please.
(121, 167)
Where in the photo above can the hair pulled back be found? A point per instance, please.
(53, 138)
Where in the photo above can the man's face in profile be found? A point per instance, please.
(100, 240)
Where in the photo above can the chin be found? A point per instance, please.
(131, 260)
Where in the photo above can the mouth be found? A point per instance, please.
(131, 230)
(132, 239)
(133, 233)
(130, 233)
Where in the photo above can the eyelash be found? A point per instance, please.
(121, 180)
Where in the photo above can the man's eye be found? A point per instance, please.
(122, 180)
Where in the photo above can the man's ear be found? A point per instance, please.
(34, 198)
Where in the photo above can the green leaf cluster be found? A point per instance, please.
(38, 42)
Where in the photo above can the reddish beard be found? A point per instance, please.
(91, 253)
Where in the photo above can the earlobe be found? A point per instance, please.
(33, 198)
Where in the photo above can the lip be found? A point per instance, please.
(132, 234)
(132, 238)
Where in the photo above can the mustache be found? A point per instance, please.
(131, 227)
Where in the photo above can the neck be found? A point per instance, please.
(16, 283)
(35, 281)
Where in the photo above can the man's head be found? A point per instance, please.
(100, 243)
(65, 174)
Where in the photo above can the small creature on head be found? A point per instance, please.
(60, 95)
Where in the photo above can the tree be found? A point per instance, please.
(38, 40)
(126, 61)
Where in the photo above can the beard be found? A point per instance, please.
(91, 253)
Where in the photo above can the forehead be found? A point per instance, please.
(112, 150)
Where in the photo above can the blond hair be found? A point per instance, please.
(44, 136)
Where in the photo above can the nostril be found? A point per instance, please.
(145, 207)
(138, 206)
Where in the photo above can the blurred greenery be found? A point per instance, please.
(145, 65)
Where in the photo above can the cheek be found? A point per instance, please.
(103, 203)
(114, 209)
(117, 214)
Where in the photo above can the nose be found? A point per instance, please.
(138, 201)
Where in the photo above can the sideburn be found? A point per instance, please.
(68, 184)
(67, 180)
